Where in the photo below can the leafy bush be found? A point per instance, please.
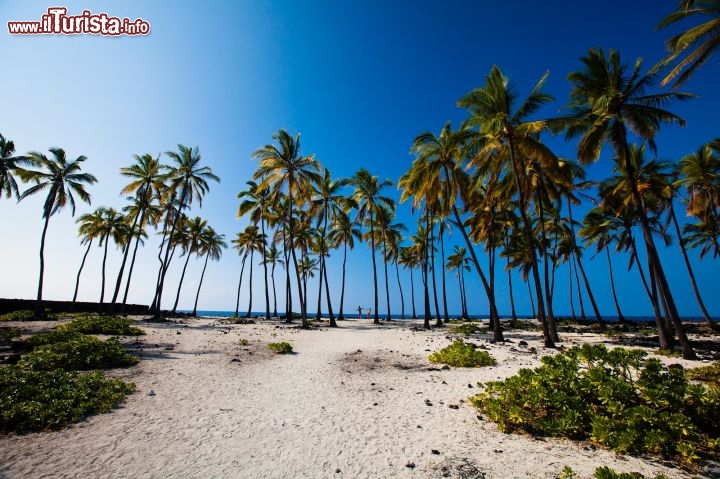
(605, 472)
(710, 374)
(243, 342)
(37, 400)
(21, 315)
(524, 325)
(461, 354)
(281, 348)
(466, 328)
(8, 334)
(98, 324)
(81, 353)
(616, 398)
(52, 337)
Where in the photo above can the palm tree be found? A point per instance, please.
(113, 226)
(61, 178)
(698, 43)
(607, 101)
(369, 200)
(251, 240)
(191, 237)
(273, 258)
(345, 232)
(282, 168)
(504, 135)
(703, 235)
(186, 176)
(388, 233)
(150, 214)
(459, 262)
(241, 242)
(89, 230)
(700, 175)
(409, 260)
(146, 180)
(8, 165)
(211, 246)
(257, 204)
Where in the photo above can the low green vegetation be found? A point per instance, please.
(8, 334)
(38, 400)
(281, 348)
(78, 354)
(243, 342)
(52, 337)
(605, 472)
(709, 374)
(466, 328)
(99, 324)
(463, 355)
(25, 315)
(524, 325)
(615, 398)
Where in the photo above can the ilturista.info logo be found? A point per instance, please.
(57, 22)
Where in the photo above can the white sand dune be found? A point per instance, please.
(353, 402)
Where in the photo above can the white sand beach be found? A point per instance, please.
(358, 401)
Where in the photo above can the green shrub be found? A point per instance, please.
(52, 337)
(709, 374)
(524, 325)
(466, 328)
(461, 354)
(20, 315)
(281, 348)
(79, 354)
(8, 334)
(243, 342)
(605, 472)
(98, 324)
(616, 398)
(37, 400)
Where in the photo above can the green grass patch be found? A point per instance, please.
(616, 398)
(78, 354)
(524, 325)
(25, 315)
(605, 472)
(39, 400)
(466, 328)
(708, 374)
(243, 342)
(99, 324)
(463, 355)
(52, 337)
(281, 348)
(668, 353)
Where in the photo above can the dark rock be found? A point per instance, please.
(410, 465)
(337, 471)
(428, 403)
(446, 368)
(522, 343)
(470, 385)
(453, 406)
(435, 451)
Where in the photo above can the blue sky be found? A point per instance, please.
(359, 80)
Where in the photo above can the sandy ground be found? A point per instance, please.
(359, 401)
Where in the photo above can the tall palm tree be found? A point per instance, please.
(345, 232)
(212, 244)
(61, 178)
(89, 230)
(369, 199)
(8, 165)
(700, 175)
(150, 214)
(145, 176)
(409, 260)
(192, 233)
(241, 242)
(698, 43)
(112, 226)
(607, 100)
(459, 262)
(508, 140)
(283, 169)
(185, 175)
(251, 241)
(387, 234)
(273, 258)
(257, 204)
(704, 235)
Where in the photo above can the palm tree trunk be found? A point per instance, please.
(387, 284)
(442, 269)
(197, 295)
(264, 257)
(249, 311)
(426, 293)
(462, 293)
(341, 314)
(303, 297)
(130, 272)
(579, 291)
(126, 251)
(663, 336)
(570, 285)
(548, 293)
(318, 311)
(681, 242)
(333, 324)
(376, 319)
(589, 292)
(182, 278)
(465, 313)
(237, 301)
(512, 298)
(412, 293)
(402, 297)
(38, 305)
(438, 318)
(272, 276)
(82, 265)
(102, 284)
(532, 302)
(621, 318)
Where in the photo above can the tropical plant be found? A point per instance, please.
(211, 246)
(256, 203)
(8, 165)
(190, 242)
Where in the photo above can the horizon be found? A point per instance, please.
(359, 81)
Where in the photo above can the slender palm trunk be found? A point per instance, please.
(596, 310)
(548, 292)
(197, 295)
(402, 297)
(82, 265)
(303, 296)
(462, 293)
(165, 239)
(130, 272)
(512, 298)
(182, 278)
(288, 284)
(249, 311)
(38, 305)
(265, 273)
(341, 314)
(621, 317)
(442, 270)
(465, 312)
(665, 342)
(376, 319)
(104, 262)
(237, 301)
(530, 295)
(438, 318)
(387, 283)
(412, 294)
(693, 282)
(426, 293)
(579, 290)
(126, 251)
(169, 252)
(570, 285)
(272, 276)
(318, 311)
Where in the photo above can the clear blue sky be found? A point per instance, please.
(358, 79)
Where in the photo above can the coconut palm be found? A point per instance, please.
(409, 260)
(89, 230)
(459, 262)
(607, 101)
(62, 179)
(700, 175)
(145, 176)
(698, 43)
(704, 235)
(257, 204)
(8, 165)
(192, 231)
(273, 258)
(369, 199)
(186, 176)
(283, 169)
(388, 233)
(241, 242)
(113, 226)
(343, 232)
(507, 140)
(251, 240)
(211, 246)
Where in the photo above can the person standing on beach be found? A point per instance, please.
(359, 312)
(369, 312)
